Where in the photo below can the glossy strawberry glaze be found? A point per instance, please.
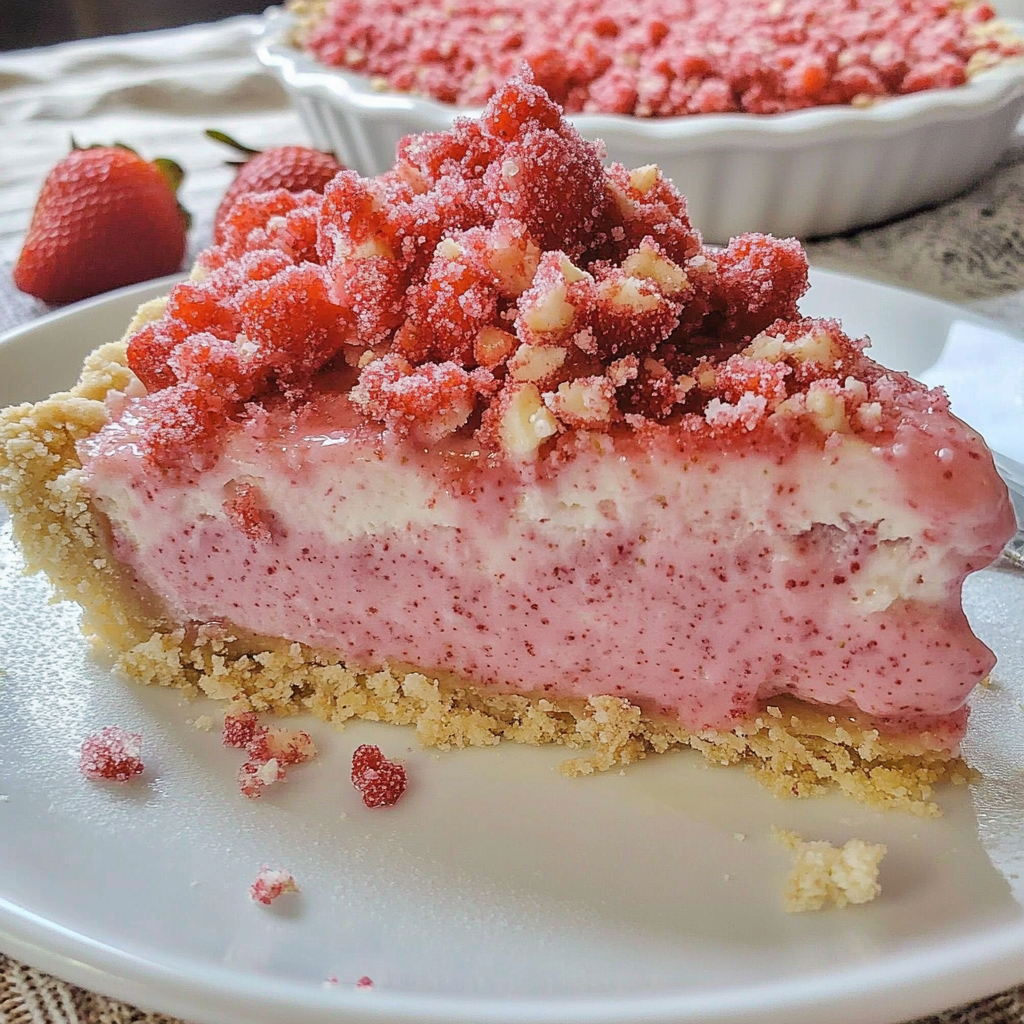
(697, 583)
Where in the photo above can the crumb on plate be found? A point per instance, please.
(271, 883)
(112, 754)
(381, 782)
(271, 750)
(823, 874)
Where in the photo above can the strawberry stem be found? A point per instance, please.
(174, 175)
(227, 140)
(171, 170)
(76, 147)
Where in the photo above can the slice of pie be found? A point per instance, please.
(494, 445)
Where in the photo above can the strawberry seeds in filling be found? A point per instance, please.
(500, 413)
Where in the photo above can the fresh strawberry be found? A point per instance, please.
(104, 218)
(295, 168)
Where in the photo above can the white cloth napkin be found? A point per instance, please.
(983, 373)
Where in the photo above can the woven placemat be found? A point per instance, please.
(28, 996)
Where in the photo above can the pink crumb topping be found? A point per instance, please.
(497, 265)
(240, 728)
(364, 982)
(270, 749)
(271, 883)
(381, 782)
(113, 754)
(657, 58)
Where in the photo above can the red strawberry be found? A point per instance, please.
(295, 168)
(104, 218)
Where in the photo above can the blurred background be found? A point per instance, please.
(25, 23)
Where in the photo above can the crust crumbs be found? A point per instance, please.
(823, 874)
(792, 749)
(800, 755)
(307, 14)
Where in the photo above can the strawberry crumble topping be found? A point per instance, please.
(499, 283)
(240, 728)
(663, 59)
(271, 750)
(381, 782)
(113, 754)
(271, 883)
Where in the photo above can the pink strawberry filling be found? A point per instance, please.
(698, 584)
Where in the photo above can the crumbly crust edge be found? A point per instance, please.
(792, 748)
(53, 519)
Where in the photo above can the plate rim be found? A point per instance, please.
(927, 980)
(157, 285)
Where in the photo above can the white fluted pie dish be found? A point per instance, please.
(806, 173)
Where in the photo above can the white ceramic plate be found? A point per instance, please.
(498, 890)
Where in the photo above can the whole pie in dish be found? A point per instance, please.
(493, 445)
(660, 58)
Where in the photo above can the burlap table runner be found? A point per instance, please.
(158, 91)
(28, 996)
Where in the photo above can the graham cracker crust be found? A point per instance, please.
(824, 875)
(792, 748)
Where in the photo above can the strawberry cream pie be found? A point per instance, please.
(493, 445)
